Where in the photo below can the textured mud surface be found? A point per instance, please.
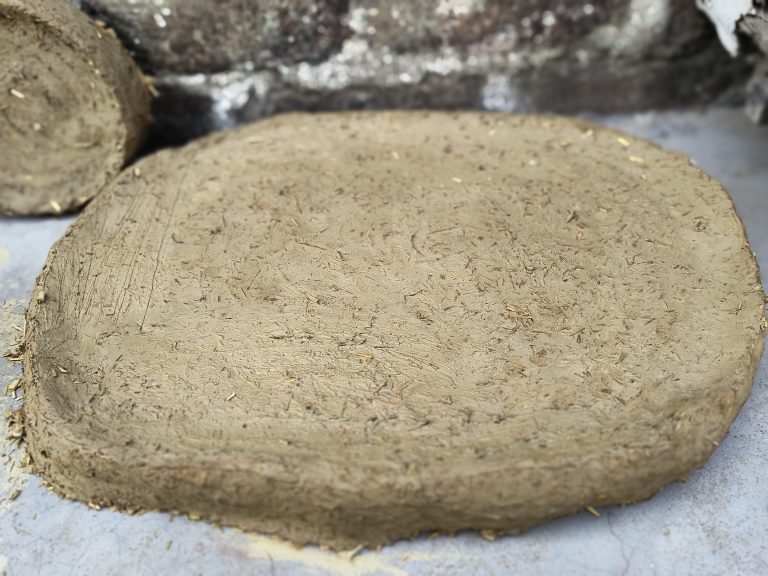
(352, 328)
(73, 109)
(228, 62)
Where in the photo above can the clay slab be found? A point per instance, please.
(380, 380)
(74, 107)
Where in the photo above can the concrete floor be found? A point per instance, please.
(716, 523)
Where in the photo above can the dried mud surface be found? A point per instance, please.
(351, 328)
(74, 107)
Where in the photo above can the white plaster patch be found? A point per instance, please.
(725, 14)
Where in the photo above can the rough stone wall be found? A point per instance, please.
(220, 63)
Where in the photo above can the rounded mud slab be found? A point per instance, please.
(73, 107)
(351, 328)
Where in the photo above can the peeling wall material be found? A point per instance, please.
(750, 17)
(220, 64)
(725, 14)
(742, 26)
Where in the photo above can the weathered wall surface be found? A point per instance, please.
(220, 63)
(742, 26)
(749, 17)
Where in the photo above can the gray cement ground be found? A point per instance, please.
(716, 523)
